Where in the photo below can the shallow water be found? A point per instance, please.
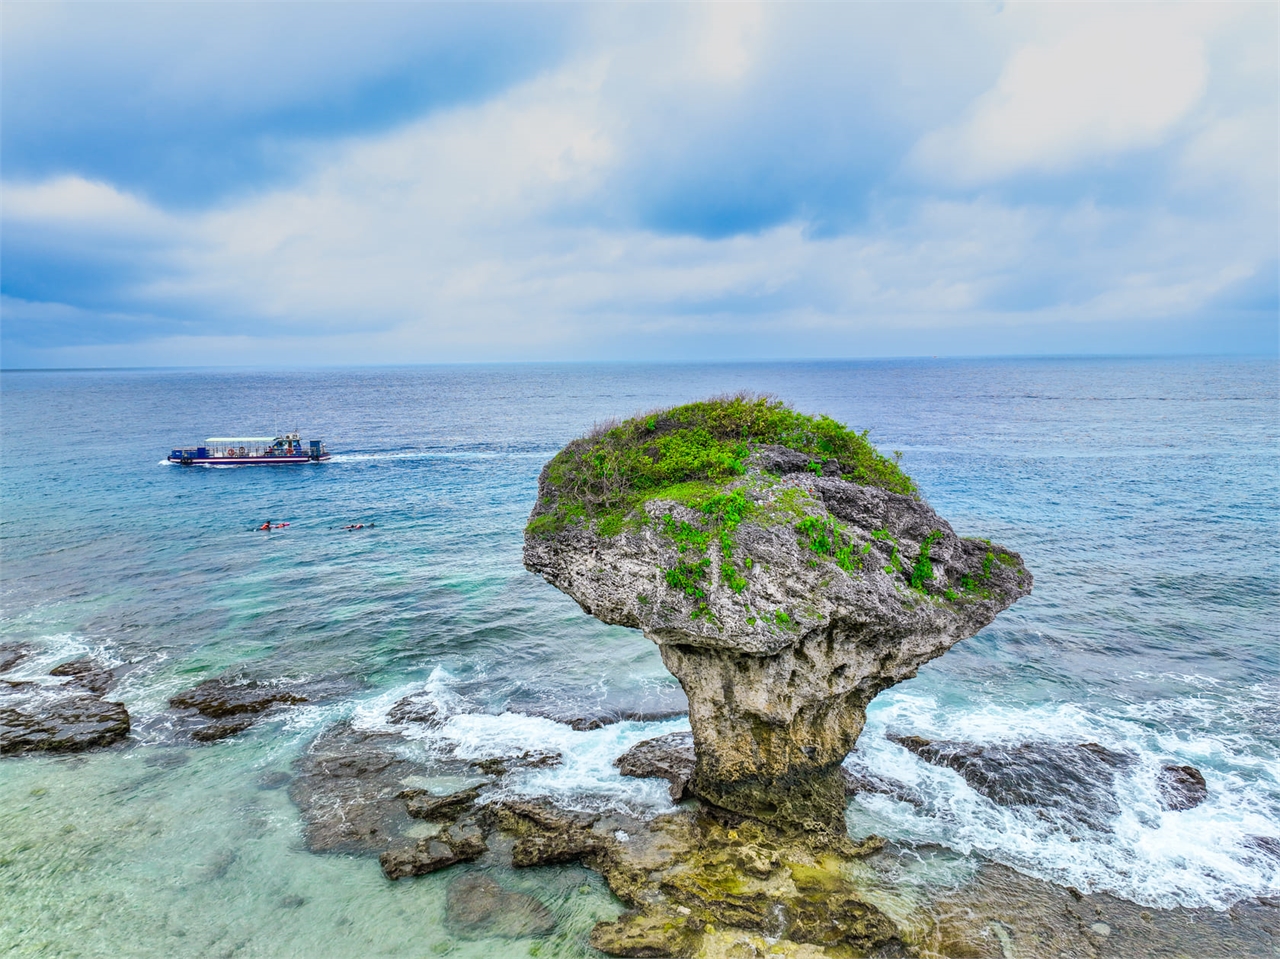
(1143, 494)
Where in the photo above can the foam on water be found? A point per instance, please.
(586, 776)
(48, 651)
(1197, 857)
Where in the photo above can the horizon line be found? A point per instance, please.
(628, 362)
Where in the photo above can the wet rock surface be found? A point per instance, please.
(417, 708)
(586, 719)
(704, 882)
(667, 757)
(348, 786)
(86, 673)
(529, 759)
(1077, 781)
(477, 907)
(695, 879)
(67, 716)
(1003, 914)
(11, 654)
(460, 842)
(234, 705)
(421, 804)
(220, 698)
(1181, 787)
(778, 669)
(222, 729)
(858, 780)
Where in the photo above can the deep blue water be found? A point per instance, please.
(1143, 494)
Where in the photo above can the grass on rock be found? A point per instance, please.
(689, 453)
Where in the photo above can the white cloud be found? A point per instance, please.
(476, 233)
(1120, 80)
(731, 32)
(74, 202)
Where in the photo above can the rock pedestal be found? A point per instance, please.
(782, 615)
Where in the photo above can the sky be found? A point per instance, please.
(308, 184)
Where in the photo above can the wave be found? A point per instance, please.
(1205, 856)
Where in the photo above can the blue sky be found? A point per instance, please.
(193, 184)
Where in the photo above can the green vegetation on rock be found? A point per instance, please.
(689, 453)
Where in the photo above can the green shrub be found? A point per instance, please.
(692, 450)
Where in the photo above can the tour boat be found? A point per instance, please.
(251, 451)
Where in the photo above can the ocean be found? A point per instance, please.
(1144, 495)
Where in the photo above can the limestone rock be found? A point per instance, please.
(222, 729)
(348, 786)
(461, 842)
(783, 599)
(62, 717)
(546, 835)
(696, 880)
(1181, 787)
(648, 934)
(11, 654)
(1077, 781)
(478, 907)
(421, 804)
(668, 757)
(87, 673)
(418, 708)
(529, 759)
(219, 698)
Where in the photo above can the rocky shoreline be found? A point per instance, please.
(702, 881)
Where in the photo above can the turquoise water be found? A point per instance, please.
(1143, 494)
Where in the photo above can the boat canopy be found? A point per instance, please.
(242, 439)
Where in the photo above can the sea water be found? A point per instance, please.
(1144, 495)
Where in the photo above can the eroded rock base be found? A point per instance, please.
(698, 880)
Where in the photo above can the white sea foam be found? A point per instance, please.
(435, 455)
(50, 650)
(586, 776)
(1196, 857)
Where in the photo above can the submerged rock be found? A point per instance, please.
(1075, 780)
(1181, 787)
(421, 804)
(235, 705)
(668, 757)
(460, 842)
(787, 572)
(478, 907)
(529, 759)
(858, 780)
(1002, 913)
(222, 729)
(348, 787)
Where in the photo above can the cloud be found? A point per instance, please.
(694, 183)
(72, 201)
(1120, 80)
(188, 103)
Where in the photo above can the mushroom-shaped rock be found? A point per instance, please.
(787, 571)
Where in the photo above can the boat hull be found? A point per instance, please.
(246, 460)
